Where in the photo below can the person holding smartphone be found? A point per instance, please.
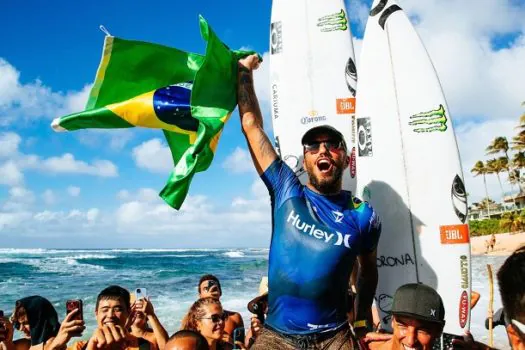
(142, 316)
(209, 286)
(36, 317)
(112, 311)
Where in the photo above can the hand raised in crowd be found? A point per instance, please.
(256, 326)
(68, 329)
(143, 305)
(109, 336)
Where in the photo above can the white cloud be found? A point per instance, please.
(10, 174)
(116, 139)
(68, 164)
(24, 102)
(239, 161)
(49, 197)
(73, 191)
(197, 215)
(20, 199)
(153, 155)
(9, 143)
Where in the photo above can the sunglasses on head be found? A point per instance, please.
(216, 318)
(331, 145)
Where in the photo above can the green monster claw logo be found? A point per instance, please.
(435, 120)
(333, 22)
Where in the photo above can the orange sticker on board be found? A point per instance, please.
(345, 105)
(454, 234)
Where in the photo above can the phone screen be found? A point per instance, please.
(72, 305)
(238, 335)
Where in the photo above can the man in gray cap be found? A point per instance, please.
(418, 318)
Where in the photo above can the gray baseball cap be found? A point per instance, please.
(419, 301)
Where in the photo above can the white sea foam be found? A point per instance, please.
(234, 254)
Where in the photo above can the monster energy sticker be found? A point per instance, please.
(351, 76)
(276, 37)
(435, 120)
(364, 137)
(333, 22)
(459, 198)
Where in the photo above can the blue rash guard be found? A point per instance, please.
(315, 241)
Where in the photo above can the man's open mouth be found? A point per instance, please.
(324, 165)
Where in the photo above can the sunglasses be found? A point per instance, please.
(331, 145)
(216, 318)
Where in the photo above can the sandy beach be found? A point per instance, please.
(506, 243)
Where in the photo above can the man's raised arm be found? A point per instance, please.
(259, 145)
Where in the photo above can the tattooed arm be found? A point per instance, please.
(260, 147)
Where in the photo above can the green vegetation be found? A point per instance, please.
(511, 221)
(504, 164)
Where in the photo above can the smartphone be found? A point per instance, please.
(75, 304)
(238, 335)
(141, 293)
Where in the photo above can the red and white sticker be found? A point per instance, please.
(454, 234)
(345, 105)
(463, 309)
(352, 164)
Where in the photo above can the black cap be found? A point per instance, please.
(419, 301)
(322, 129)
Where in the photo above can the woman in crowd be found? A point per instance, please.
(36, 317)
(206, 316)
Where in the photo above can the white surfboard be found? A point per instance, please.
(408, 167)
(313, 76)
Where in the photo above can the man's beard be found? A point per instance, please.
(331, 185)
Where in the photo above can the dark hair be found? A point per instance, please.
(196, 311)
(41, 315)
(201, 343)
(511, 281)
(114, 293)
(208, 278)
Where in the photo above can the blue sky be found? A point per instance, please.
(99, 188)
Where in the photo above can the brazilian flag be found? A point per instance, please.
(188, 96)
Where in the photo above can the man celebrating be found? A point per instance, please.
(318, 231)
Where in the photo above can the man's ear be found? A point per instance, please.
(514, 338)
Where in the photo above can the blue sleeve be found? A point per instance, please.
(281, 181)
(370, 226)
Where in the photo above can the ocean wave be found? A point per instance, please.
(162, 250)
(234, 254)
(89, 256)
(59, 265)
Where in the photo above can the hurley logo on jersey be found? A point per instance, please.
(312, 230)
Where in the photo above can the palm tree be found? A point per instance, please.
(499, 144)
(512, 221)
(503, 164)
(480, 169)
(494, 166)
(518, 161)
